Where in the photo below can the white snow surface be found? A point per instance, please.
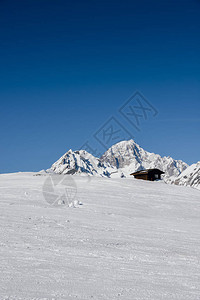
(130, 239)
(120, 160)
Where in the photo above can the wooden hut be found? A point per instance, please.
(149, 174)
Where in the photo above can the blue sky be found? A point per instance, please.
(66, 67)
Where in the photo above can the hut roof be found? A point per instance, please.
(147, 171)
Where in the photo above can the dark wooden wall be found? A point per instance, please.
(141, 176)
(150, 176)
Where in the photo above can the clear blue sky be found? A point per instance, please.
(66, 67)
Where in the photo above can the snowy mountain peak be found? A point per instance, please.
(128, 156)
(189, 177)
(120, 154)
(81, 162)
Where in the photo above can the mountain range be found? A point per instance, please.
(122, 159)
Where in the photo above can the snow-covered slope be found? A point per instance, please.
(81, 162)
(191, 176)
(129, 240)
(119, 160)
(127, 156)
